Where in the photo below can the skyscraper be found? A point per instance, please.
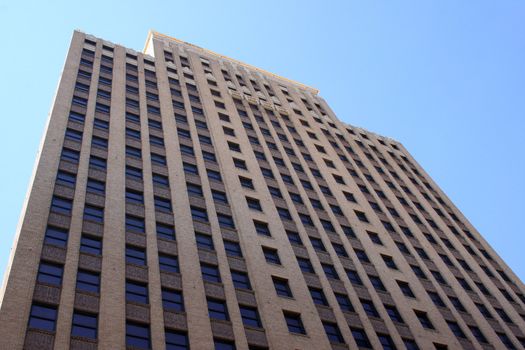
(185, 199)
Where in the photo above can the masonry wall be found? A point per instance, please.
(165, 183)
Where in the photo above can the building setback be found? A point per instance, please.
(183, 199)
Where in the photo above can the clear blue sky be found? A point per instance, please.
(446, 78)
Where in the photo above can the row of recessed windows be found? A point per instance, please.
(281, 286)
(85, 325)
(409, 293)
(430, 238)
(389, 227)
(388, 260)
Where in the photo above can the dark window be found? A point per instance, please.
(219, 196)
(436, 299)
(456, 329)
(95, 186)
(405, 288)
(332, 332)
(157, 141)
(104, 81)
(476, 332)
(250, 316)
(282, 287)
(361, 338)
(134, 152)
(393, 313)
(162, 204)
(239, 163)
(271, 255)
(275, 192)
(217, 309)
(228, 131)
(190, 168)
(172, 300)
(133, 196)
(457, 304)
(135, 255)
(79, 101)
(348, 231)
(158, 159)
(161, 180)
(83, 87)
(344, 302)
(91, 245)
(135, 224)
(214, 175)
(61, 205)
(220, 344)
(305, 265)
(262, 228)
(205, 139)
(386, 341)
(137, 335)
(153, 110)
(97, 162)
(374, 237)
(506, 340)
(101, 124)
(131, 117)
(294, 237)
(350, 197)
(424, 320)
(199, 214)
(318, 296)
(377, 283)
(176, 340)
(361, 216)
(210, 273)
(294, 322)
(99, 142)
(354, 277)
(284, 213)
(136, 292)
(56, 236)
(88, 281)
(168, 263)
(330, 271)
(70, 155)
(209, 156)
(66, 179)
(49, 273)
(369, 308)
(77, 117)
(43, 317)
(93, 213)
(165, 231)
(410, 344)
(318, 244)
(225, 221)
(204, 241)
(84, 325)
(254, 203)
(246, 182)
(232, 248)
(361, 255)
(241, 280)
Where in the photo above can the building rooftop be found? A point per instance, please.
(154, 34)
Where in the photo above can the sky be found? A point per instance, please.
(446, 78)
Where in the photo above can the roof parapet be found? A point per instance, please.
(153, 34)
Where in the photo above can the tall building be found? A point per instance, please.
(183, 199)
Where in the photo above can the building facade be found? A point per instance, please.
(182, 199)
